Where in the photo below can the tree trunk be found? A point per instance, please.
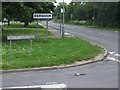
(26, 23)
(2, 29)
(8, 21)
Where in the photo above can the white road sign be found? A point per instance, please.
(62, 10)
(20, 37)
(42, 16)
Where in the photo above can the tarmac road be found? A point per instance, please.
(102, 74)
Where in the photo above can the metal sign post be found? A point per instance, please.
(25, 37)
(71, 17)
(46, 30)
(61, 26)
(61, 22)
(62, 11)
(63, 31)
(10, 49)
(30, 47)
(42, 16)
(37, 32)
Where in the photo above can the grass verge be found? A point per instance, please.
(55, 52)
(91, 26)
(95, 27)
(19, 29)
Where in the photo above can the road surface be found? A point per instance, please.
(102, 74)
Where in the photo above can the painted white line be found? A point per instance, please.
(117, 55)
(111, 53)
(21, 87)
(54, 86)
(113, 59)
(39, 86)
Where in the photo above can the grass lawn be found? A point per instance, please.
(54, 52)
(19, 29)
(60, 51)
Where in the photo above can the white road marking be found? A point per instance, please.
(117, 55)
(39, 86)
(111, 53)
(113, 59)
(54, 86)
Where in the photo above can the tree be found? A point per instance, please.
(58, 10)
(106, 14)
(23, 11)
(9, 10)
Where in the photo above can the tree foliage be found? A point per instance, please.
(105, 14)
(23, 11)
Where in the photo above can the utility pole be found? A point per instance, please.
(93, 18)
(60, 22)
(37, 32)
(63, 32)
